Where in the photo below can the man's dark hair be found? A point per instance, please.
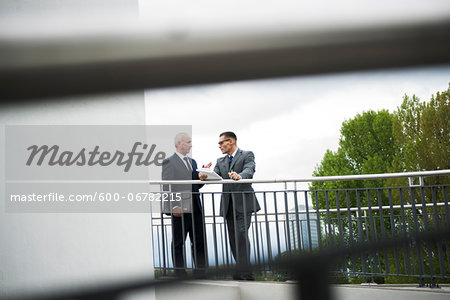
(229, 134)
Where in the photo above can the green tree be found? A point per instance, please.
(422, 131)
(366, 146)
(368, 143)
(416, 137)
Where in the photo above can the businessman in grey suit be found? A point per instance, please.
(187, 214)
(238, 200)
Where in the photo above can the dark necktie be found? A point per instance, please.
(188, 164)
(230, 160)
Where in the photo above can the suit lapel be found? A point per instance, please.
(223, 164)
(181, 163)
(238, 154)
(191, 161)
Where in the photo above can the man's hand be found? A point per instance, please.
(233, 175)
(203, 176)
(207, 166)
(176, 211)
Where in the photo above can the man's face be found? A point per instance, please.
(185, 145)
(225, 144)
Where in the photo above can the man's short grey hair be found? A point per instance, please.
(180, 136)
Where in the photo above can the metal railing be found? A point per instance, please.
(409, 237)
(293, 221)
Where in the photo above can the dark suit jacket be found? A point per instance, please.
(243, 164)
(174, 168)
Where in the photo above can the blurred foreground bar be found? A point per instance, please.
(33, 66)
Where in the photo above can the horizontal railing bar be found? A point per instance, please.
(310, 179)
(375, 208)
(230, 181)
(341, 210)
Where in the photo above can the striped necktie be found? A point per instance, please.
(188, 164)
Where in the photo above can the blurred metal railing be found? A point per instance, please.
(37, 65)
(293, 221)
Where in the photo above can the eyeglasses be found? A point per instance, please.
(221, 142)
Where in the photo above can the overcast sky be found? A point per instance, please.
(289, 123)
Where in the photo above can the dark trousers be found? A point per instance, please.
(191, 224)
(238, 225)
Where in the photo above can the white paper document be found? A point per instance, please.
(211, 174)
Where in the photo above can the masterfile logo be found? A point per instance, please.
(82, 152)
(54, 156)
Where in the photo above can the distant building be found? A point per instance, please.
(303, 225)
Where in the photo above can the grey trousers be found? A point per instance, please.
(238, 225)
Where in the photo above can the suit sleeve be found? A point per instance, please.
(216, 168)
(195, 174)
(168, 173)
(249, 166)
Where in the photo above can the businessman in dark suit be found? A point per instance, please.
(238, 200)
(187, 215)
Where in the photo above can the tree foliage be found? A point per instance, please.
(416, 137)
(422, 131)
(367, 141)
(366, 146)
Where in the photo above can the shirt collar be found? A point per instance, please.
(234, 153)
(180, 155)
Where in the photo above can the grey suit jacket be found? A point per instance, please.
(175, 169)
(242, 193)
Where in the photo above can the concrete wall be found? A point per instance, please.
(41, 252)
